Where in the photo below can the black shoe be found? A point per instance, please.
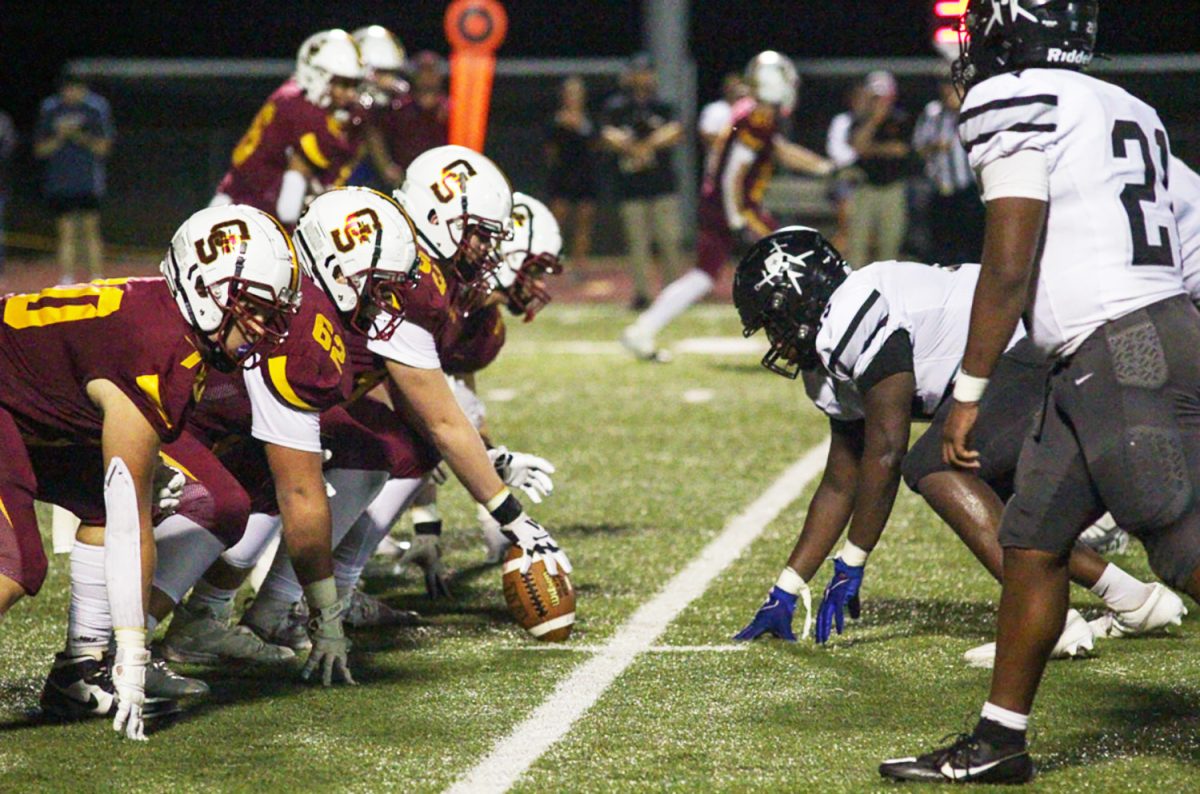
(78, 687)
(969, 760)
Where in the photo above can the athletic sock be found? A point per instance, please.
(89, 622)
(1120, 591)
(427, 519)
(1000, 726)
(674, 300)
(216, 600)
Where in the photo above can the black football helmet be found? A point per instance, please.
(783, 284)
(998, 36)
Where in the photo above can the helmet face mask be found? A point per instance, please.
(783, 285)
(531, 254)
(995, 38)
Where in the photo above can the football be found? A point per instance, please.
(542, 604)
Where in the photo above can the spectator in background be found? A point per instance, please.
(956, 214)
(642, 130)
(570, 162)
(841, 152)
(716, 115)
(879, 209)
(74, 136)
(8, 143)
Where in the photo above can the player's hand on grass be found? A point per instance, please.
(521, 470)
(536, 543)
(841, 597)
(426, 553)
(775, 615)
(330, 646)
(129, 681)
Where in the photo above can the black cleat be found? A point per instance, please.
(78, 687)
(969, 760)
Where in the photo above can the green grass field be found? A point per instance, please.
(653, 461)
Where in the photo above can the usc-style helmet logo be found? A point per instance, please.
(359, 227)
(454, 181)
(224, 238)
(520, 218)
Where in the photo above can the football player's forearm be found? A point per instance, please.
(828, 513)
(1014, 230)
(879, 479)
(304, 509)
(465, 454)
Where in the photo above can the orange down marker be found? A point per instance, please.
(475, 30)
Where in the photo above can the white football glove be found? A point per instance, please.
(536, 542)
(426, 553)
(521, 470)
(129, 679)
(330, 647)
(168, 489)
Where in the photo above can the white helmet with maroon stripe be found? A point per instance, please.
(360, 247)
(533, 252)
(773, 79)
(234, 266)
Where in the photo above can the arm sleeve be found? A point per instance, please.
(1023, 174)
(1007, 114)
(276, 423)
(292, 190)
(410, 345)
(740, 158)
(894, 356)
(713, 118)
(1184, 185)
(837, 141)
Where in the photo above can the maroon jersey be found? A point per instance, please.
(127, 331)
(469, 344)
(308, 372)
(729, 169)
(409, 128)
(289, 123)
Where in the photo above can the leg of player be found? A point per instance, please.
(200, 632)
(673, 301)
(10, 593)
(426, 549)
(351, 555)
(275, 615)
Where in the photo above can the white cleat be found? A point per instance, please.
(1105, 537)
(642, 345)
(1076, 640)
(1161, 610)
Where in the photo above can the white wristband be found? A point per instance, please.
(968, 388)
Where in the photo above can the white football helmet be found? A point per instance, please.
(234, 266)
(773, 78)
(360, 247)
(533, 252)
(380, 49)
(324, 56)
(461, 204)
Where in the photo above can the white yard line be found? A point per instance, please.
(570, 700)
(567, 646)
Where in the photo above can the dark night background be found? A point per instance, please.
(174, 137)
(37, 38)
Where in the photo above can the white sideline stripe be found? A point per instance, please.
(537, 733)
(566, 646)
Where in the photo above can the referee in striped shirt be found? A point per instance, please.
(956, 214)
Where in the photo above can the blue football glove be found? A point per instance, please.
(841, 596)
(775, 616)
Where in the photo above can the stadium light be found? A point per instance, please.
(946, 15)
(950, 9)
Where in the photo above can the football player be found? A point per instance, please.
(1100, 284)
(113, 369)
(879, 349)
(739, 166)
(468, 344)
(279, 456)
(307, 136)
(387, 92)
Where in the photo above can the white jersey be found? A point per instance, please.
(273, 422)
(1185, 200)
(1110, 245)
(833, 398)
(931, 304)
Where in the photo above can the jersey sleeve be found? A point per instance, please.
(1007, 114)
(1184, 185)
(410, 345)
(857, 323)
(831, 398)
(277, 423)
